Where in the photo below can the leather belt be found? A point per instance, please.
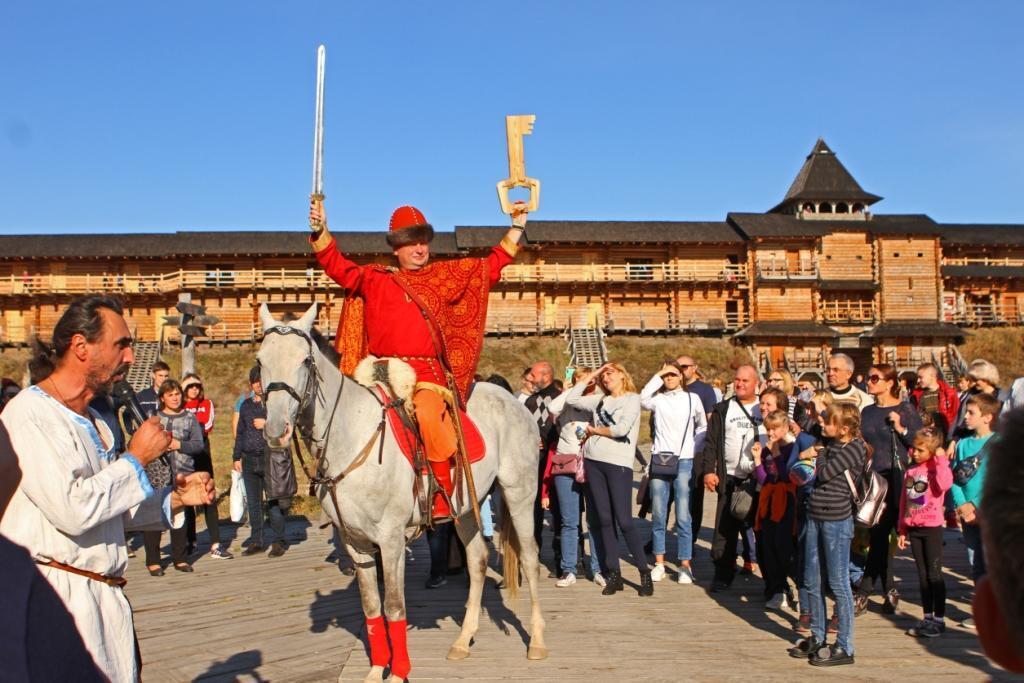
(118, 581)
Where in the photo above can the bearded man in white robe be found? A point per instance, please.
(77, 497)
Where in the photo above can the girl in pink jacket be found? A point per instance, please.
(921, 519)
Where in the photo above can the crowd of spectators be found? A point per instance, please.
(790, 462)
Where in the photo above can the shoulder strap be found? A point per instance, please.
(745, 411)
(428, 316)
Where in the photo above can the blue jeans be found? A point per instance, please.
(975, 551)
(569, 494)
(254, 474)
(659, 487)
(829, 543)
(486, 518)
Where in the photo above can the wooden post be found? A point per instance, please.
(188, 344)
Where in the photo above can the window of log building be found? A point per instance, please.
(219, 275)
(639, 269)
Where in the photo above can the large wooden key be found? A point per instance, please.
(515, 128)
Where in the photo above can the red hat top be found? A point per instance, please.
(408, 226)
(406, 217)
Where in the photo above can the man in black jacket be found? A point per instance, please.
(727, 465)
(252, 458)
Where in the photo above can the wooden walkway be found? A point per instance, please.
(297, 618)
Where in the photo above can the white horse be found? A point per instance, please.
(376, 510)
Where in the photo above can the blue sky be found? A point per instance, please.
(130, 117)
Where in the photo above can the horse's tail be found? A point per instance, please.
(510, 551)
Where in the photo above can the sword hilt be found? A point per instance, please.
(317, 197)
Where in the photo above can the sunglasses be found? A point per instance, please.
(683, 366)
(917, 486)
(875, 378)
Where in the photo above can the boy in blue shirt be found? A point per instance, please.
(969, 477)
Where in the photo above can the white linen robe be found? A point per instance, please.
(74, 503)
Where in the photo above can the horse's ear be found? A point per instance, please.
(305, 323)
(266, 319)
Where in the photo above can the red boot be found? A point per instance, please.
(443, 474)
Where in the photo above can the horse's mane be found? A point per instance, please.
(325, 347)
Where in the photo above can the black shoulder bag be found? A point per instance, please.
(742, 503)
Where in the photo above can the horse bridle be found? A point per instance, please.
(305, 417)
(307, 400)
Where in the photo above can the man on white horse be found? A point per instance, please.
(431, 316)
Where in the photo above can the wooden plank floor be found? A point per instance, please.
(297, 618)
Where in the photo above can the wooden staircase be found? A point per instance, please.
(586, 347)
(146, 353)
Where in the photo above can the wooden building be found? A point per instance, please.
(817, 272)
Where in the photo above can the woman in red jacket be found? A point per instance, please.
(202, 407)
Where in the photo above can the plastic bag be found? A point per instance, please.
(237, 497)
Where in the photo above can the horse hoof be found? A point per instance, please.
(536, 653)
(457, 654)
(376, 674)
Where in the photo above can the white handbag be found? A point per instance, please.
(237, 497)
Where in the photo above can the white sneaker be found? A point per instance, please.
(566, 581)
(685, 576)
(599, 580)
(658, 573)
(777, 602)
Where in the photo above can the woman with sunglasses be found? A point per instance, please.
(889, 427)
(609, 448)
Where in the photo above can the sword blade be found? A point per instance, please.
(318, 126)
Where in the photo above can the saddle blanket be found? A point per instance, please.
(476, 449)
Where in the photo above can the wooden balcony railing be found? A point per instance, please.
(848, 312)
(982, 315)
(284, 278)
(161, 283)
(624, 272)
(982, 261)
(767, 269)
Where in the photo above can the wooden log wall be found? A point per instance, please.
(909, 274)
(846, 256)
(784, 301)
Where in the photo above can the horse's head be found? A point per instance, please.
(287, 373)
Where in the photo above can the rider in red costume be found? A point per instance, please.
(380, 318)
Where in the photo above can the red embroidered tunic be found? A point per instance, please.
(392, 325)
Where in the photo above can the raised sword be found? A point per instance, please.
(318, 127)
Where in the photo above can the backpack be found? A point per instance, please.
(868, 496)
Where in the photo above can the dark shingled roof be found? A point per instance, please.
(981, 234)
(982, 271)
(787, 328)
(177, 244)
(613, 232)
(848, 285)
(755, 225)
(823, 177)
(915, 328)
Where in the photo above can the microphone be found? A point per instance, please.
(124, 395)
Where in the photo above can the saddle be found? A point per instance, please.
(394, 383)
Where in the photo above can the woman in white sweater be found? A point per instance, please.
(609, 449)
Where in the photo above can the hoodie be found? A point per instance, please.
(949, 403)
